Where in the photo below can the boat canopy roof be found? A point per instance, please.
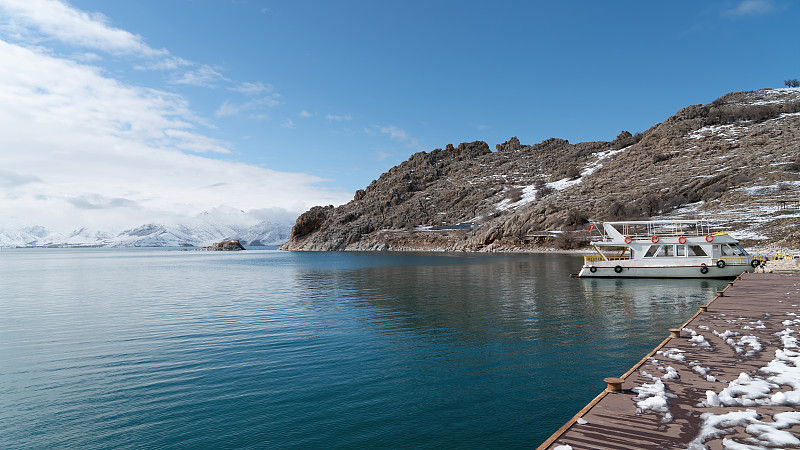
(645, 229)
(658, 222)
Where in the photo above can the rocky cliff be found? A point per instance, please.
(734, 160)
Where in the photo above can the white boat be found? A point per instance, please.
(666, 249)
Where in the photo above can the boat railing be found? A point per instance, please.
(742, 260)
(729, 260)
(772, 257)
(734, 260)
(593, 258)
(667, 233)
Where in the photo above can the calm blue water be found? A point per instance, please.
(135, 348)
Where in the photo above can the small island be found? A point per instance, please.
(227, 246)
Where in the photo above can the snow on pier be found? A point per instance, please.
(728, 378)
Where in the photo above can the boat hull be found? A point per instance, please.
(635, 269)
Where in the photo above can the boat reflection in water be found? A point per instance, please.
(649, 300)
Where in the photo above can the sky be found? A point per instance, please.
(115, 114)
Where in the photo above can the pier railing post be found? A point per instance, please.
(614, 384)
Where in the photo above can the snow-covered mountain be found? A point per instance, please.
(201, 230)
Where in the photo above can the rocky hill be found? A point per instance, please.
(735, 160)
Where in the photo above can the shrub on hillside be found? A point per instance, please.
(793, 166)
(615, 209)
(573, 173)
(739, 179)
(514, 194)
(716, 190)
(650, 205)
(543, 192)
(566, 241)
(723, 114)
(575, 219)
(659, 157)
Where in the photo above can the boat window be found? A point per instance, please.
(680, 250)
(715, 251)
(696, 250)
(651, 251)
(667, 250)
(732, 250)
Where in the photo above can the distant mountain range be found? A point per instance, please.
(201, 230)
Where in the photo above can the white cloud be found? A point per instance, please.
(751, 8)
(88, 57)
(203, 76)
(394, 132)
(338, 118)
(288, 123)
(227, 109)
(233, 109)
(75, 27)
(252, 88)
(383, 156)
(194, 142)
(80, 148)
(305, 114)
(170, 63)
(269, 100)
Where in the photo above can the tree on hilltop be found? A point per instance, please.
(792, 83)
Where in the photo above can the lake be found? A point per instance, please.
(134, 348)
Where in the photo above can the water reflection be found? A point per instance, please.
(505, 331)
(522, 297)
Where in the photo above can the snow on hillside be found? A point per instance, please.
(529, 192)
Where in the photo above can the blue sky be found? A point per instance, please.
(151, 110)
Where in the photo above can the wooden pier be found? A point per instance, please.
(730, 375)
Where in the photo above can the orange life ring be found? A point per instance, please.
(654, 239)
(628, 239)
(709, 237)
(682, 240)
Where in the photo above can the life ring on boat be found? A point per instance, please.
(654, 239)
(755, 263)
(628, 239)
(709, 238)
(720, 264)
(593, 269)
(618, 269)
(682, 240)
(703, 269)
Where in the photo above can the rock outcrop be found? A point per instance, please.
(731, 160)
(227, 246)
